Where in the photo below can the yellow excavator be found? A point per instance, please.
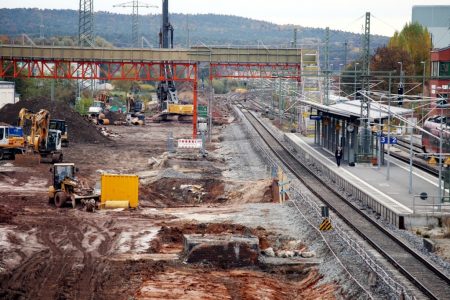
(42, 141)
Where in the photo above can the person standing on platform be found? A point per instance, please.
(338, 155)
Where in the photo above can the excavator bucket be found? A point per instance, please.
(27, 160)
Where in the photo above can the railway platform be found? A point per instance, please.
(388, 196)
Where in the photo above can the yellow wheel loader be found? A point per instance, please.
(67, 188)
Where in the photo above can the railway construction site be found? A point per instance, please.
(66, 253)
(207, 226)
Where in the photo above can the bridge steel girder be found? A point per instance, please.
(148, 65)
(60, 69)
(251, 71)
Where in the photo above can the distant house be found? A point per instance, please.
(7, 94)
(440, 74)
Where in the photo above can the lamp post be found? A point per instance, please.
(423, 90)
(400, 85)
(411, 133)
(389, 129)
(354, 95)
(441, 138)
(411, 150)
(401, 72)
(340, 75)
(380, 133)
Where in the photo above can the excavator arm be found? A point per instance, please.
(40, 122)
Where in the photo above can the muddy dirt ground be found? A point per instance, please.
(50, 253)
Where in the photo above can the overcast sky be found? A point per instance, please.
(388, 15)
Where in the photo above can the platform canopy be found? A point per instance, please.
(352, 109)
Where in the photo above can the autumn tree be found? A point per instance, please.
(416, 41)
(386, 59)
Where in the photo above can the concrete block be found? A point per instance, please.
(268, 252)
(429, 245)
(225, 251)
(308, 254)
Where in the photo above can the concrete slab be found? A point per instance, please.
(226, 251)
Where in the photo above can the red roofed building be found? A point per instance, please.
(440, 74)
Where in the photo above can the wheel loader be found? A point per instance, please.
(67, 188)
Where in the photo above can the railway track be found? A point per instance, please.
(419, 163)
(404, 145)
(411, 264)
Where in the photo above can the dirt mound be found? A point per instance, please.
(115, 117)
(80, 129)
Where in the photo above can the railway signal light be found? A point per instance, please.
(400, 95)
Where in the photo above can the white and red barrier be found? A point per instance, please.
(190, 143)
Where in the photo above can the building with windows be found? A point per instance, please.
(437, 20)
(7, 94)
(440, 73)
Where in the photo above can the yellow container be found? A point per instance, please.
(117, 204)
(117, 187)
(181, 109)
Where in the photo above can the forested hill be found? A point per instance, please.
(209, 29)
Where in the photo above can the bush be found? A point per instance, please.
(219, 86)
(82, 106)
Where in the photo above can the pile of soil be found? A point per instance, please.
(115, 117)
(80, 129)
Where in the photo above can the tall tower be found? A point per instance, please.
(365, 132)
(166, 27)
(365, 104)
(135, 36)
(86, 23)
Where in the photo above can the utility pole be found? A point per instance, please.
(188, 39)
(166, 27)
(327, 67)
(86, 23)
(295, 37)
(134, 19)
(365, 104)
(41, 28)
(345, 53)
(85, 37)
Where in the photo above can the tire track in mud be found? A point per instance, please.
(69, 268)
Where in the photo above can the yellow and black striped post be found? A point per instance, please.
(325, 225)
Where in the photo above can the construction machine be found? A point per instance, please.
(169, 103)
(67, 188)
(42, 140)
(134, 104)
(61, 125)
(12, 141)
(98, 108)
(135, 109)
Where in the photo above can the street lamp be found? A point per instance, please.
(411, 127)
(340, 75)
(423, 90)
(354, 95)
(401, 71)
(389, 129)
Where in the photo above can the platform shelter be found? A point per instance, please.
(340, 125)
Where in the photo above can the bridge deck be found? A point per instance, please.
(220, 55)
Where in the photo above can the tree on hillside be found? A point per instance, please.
(416, 41)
